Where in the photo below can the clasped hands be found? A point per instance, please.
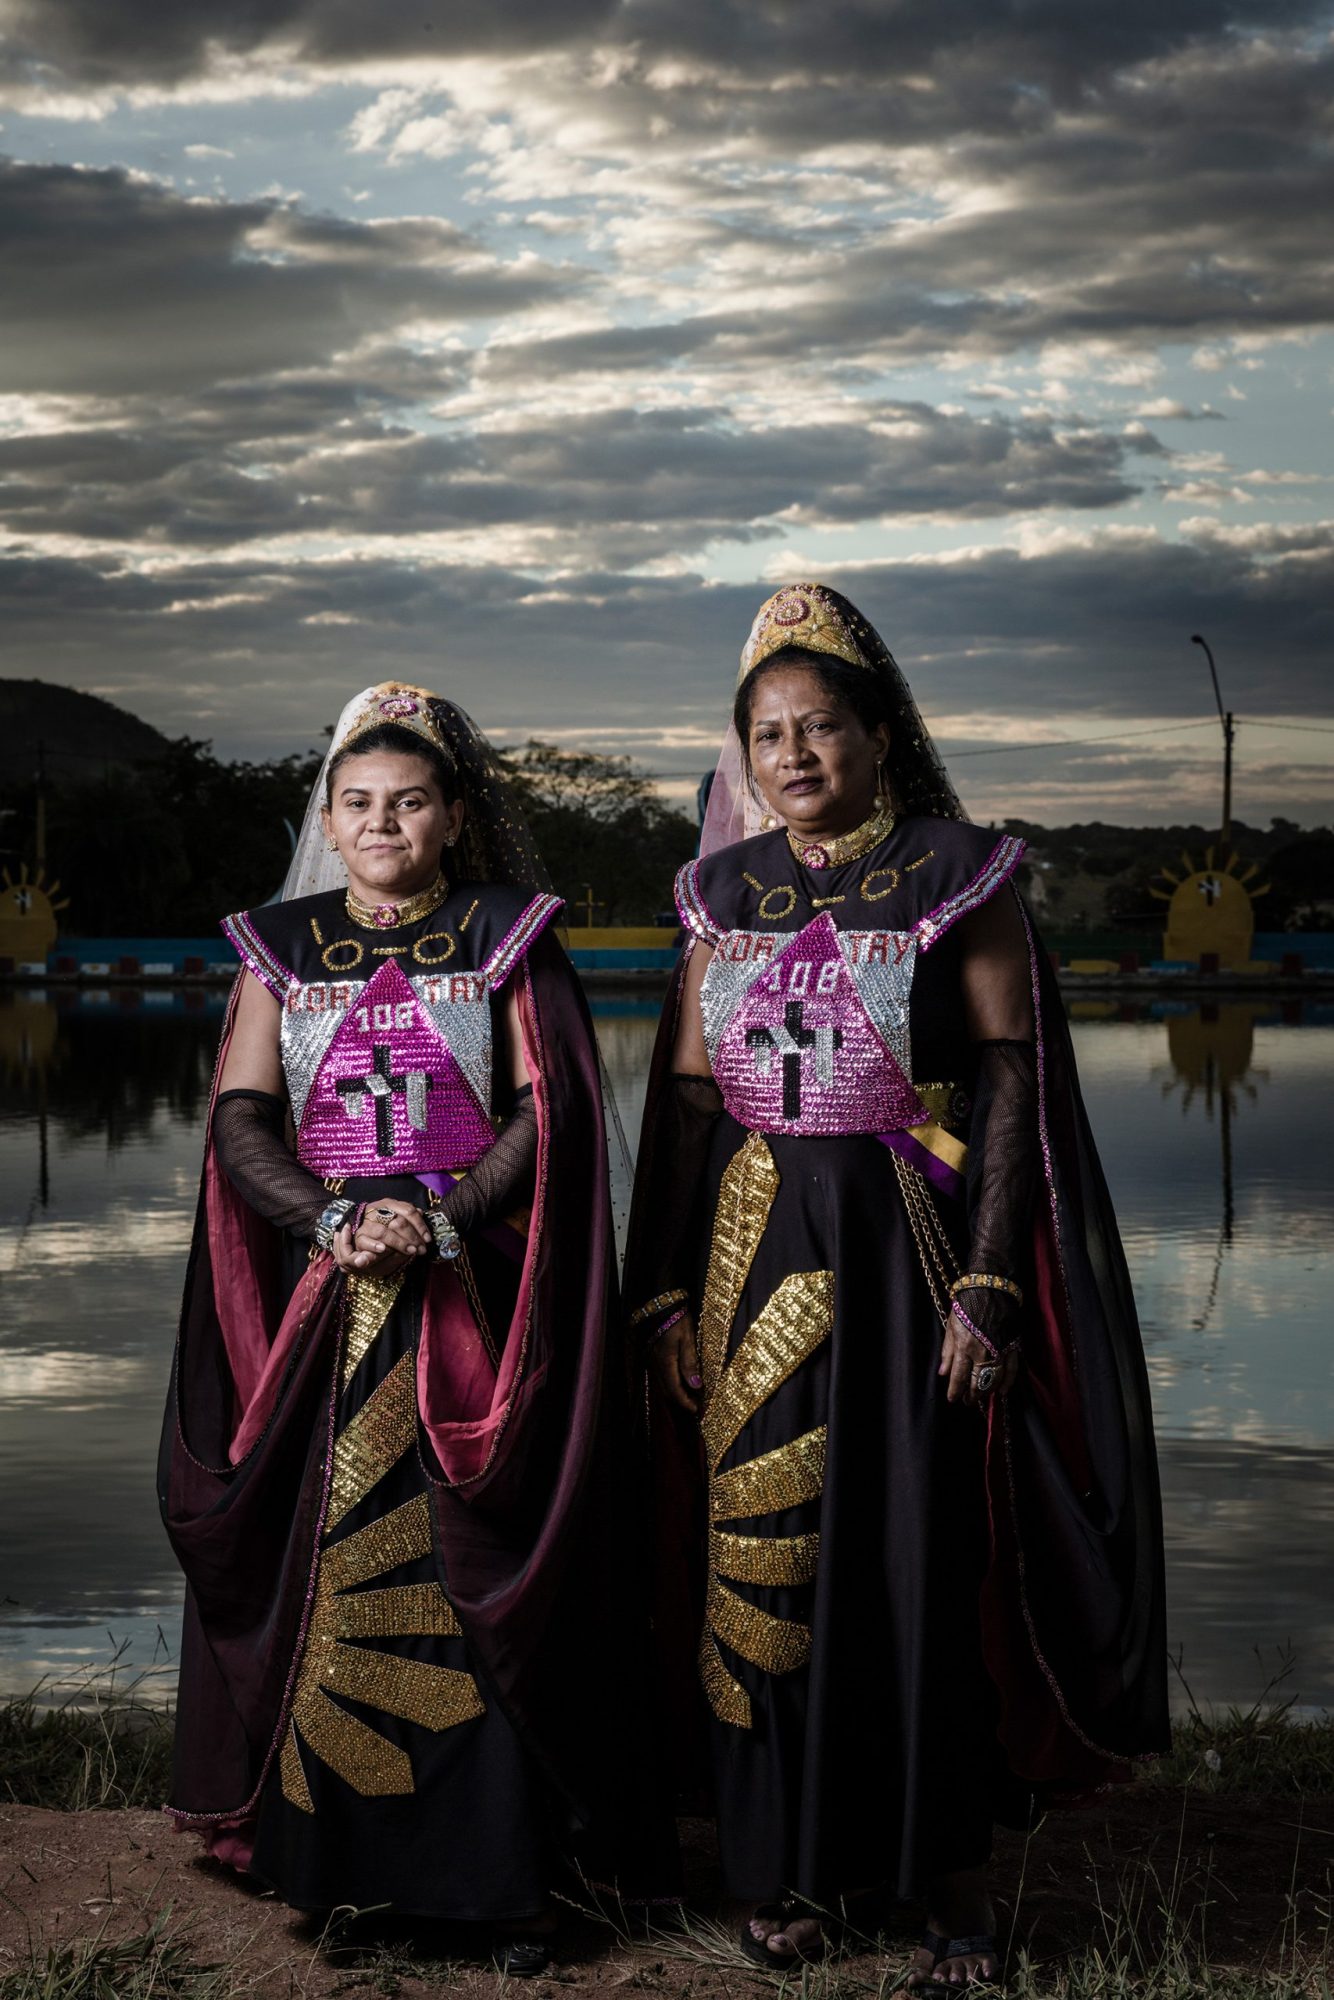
(391, 1236)
(674, 1360)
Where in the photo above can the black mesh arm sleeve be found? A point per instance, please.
(504, 1177)
(250, 1133)
(669, 1193)
(1002, 1183)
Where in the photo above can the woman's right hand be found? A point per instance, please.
(673, 1360)
(393, 1234)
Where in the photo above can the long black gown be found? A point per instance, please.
(412, 1672)
(910, 1618)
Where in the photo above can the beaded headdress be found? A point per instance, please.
(398, 702)
(807, 615)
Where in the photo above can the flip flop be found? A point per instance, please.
(981, 1946)
(780, 1913)
(522, 1957)
(937, 1947)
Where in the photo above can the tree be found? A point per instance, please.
(169, 847)
(600, 826)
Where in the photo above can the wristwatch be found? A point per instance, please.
(331, 1221)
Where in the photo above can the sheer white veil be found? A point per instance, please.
(315, 867)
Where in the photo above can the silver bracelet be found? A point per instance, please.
(448, 1242)
(331, 1221)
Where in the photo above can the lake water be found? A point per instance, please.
(1217, 1133)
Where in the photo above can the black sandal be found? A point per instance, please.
(522, 1957)
(780, 1913)
(915, 1980)
(982, 1946)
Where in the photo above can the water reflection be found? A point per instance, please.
(1214, 1128)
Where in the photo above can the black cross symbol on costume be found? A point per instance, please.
(789, 1041)
(384, 1087)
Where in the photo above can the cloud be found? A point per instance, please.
(697, 275)
(328, 454)
(193, 291)
(102, 43)
(1093, 630)
(1002, 57)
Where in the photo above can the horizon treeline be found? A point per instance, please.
(168, 845)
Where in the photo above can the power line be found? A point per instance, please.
(1079, 742)
(1306, 728)
(1072, 742)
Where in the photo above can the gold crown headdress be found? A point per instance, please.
(407, 707)
(801, 614)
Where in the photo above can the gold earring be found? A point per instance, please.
(333, 845)
(768, 822)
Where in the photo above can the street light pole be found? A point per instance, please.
(1229, 732)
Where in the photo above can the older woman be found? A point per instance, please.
(909, 1521)
(389, 1465)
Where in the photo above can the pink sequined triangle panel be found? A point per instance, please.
(389, 1097)
(800, 1054)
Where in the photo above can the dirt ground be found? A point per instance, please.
(1249, 1882)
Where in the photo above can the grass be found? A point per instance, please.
(1117, 1965)
(96, 1741)
(153, 1964)
(1256, 1750)
(106, 1745)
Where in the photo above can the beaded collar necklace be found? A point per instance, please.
(390, 916)
(844, 847)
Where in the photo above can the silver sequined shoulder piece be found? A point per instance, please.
(312, 1016)
(882, 964)
(460, 1008)
(735, 966)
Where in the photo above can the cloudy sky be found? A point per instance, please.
(522, 346)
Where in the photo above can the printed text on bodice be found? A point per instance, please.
(389, 1075)
(808, 1033)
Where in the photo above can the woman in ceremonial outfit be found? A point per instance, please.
(390, 1460)
(909, 1542)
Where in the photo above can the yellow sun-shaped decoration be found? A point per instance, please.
(1209, 908)
(28, 909)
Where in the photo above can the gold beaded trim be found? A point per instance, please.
(845, 847)
(986, 1281)
(797, 1318)
(663, 1303)
(371, 916)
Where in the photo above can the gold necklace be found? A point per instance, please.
(391, 916)
(844, 847)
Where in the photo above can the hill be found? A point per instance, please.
(81, 733)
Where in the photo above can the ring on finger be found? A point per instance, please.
(986, 1377)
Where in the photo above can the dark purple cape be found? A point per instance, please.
(538, 1538)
